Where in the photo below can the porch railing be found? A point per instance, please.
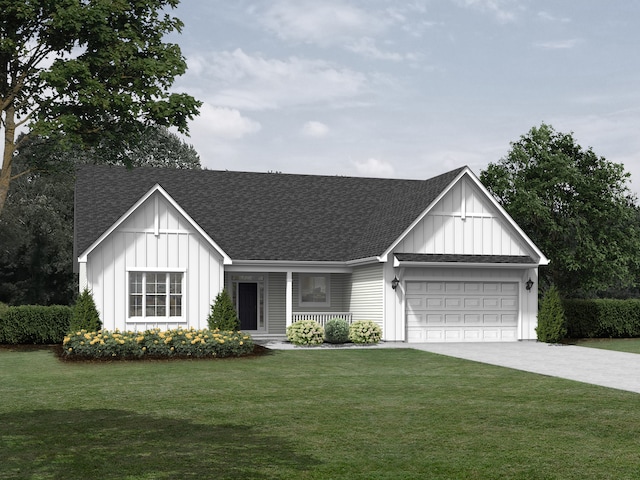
(321, 317)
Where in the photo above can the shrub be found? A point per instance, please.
(603, 318)
(305, 332)
(223, 314)
(85, 314)
(35, 324)
(552, 325)
(156, 343)
(365, 331)
(336, 330)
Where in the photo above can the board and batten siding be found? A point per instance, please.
(156, 238)
(366, 293)
(463, 222)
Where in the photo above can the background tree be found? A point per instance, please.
(90, 73)
(36, 228)
(575, 205)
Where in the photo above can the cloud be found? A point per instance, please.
(372, 167)
(366, 46)
(224, 123)
(498, 8)
(558, 44)
(547, 17)
(314, 129)
(322, 23)
(253, 82)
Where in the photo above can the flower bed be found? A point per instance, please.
(156, 343)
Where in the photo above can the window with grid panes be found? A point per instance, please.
(155, 294)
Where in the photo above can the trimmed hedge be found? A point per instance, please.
(602, 318)
(35, 324)
(157, 343)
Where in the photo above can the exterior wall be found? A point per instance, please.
(338, 295)
(276, 303)
(155, 238)
(463, 222)
(366, 294)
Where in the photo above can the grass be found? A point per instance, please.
(630, 345)
(312, 414)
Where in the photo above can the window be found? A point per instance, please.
(155, 294)
(314, 290)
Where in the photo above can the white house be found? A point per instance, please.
(429, 260)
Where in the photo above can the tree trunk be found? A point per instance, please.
(7, 157)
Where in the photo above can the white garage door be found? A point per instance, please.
(461, 311)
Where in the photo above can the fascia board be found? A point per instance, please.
(288, 266)
(156, 188)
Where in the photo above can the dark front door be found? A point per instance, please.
(248, 306)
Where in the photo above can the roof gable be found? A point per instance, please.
(258, 216)
(465, 219)
(141, 210)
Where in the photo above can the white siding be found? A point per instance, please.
(142, 243)
(366, 296)
(277, 303)
(463, 222)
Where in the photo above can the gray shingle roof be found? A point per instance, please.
(264, 216)
(449, 258)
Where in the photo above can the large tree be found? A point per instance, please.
(36, 228)
(575, 205)
(88, 72)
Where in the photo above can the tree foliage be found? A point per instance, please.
(575, 205)
(36, 228)
(89, 72)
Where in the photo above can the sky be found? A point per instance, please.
(407, 89)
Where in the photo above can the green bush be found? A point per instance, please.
(157, 343)
(336, 330)
(85, 314)
(305, 332)
(34, 324)
(223, 314)
(603, 318)
(365, 331)
(552, 325)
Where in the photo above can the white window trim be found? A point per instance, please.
(144, 316)
(327, 302)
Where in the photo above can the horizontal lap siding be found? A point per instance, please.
(276, 303)
(366, 295)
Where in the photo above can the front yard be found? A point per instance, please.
(312, 414)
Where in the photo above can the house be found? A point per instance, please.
(429, 260)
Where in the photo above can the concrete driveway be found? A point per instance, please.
(589, 365)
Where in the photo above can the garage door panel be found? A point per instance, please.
(461, 311)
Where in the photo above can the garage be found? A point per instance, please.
(461, 311)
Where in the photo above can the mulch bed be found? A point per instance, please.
(258, 351)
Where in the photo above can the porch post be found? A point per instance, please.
(289, 300)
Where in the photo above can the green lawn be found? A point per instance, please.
(309, 414)
(631, 345)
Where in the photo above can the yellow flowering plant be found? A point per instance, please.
(157, 343)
